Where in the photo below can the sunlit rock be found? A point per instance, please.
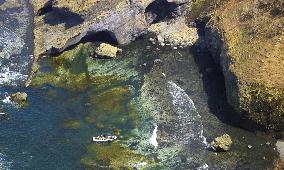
(222, 143)
(107, 50)
(19, 97)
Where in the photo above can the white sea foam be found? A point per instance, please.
(189, 124)
(11, 42)
(4, 163)
(14, 69)
(7, 100)
(203, 167)
(8, 76)
(140, 165)
(153, 139)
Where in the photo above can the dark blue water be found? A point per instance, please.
(33, 137)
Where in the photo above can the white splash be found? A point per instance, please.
(7, 100)
(189, 126)
(204, 167)
(13, 64)
(153, 139)
(8, 76)
(140, 165)
(4, 163)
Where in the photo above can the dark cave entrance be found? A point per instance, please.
(100, 36)
(160, 10)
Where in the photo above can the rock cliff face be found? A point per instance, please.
(63, 23)
(60, 24)
(246, 39)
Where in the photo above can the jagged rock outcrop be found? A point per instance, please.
(175, 33)
(66, 23)
(246, 39)
(60, 24)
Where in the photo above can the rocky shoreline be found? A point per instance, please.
(259, 102)
(254, 85)
(254, 82)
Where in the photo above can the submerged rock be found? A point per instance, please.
(19, 97)
(107, 50)
(222, 143)
(72, 124)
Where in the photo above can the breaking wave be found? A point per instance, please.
(4, 163)
(13, 64)
(188, 123)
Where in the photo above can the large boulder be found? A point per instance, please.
(107, 50)
(222, 143)
(19, 97)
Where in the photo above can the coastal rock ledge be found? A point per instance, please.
(60, 24)
(246, 38)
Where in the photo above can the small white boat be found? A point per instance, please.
(104, 138)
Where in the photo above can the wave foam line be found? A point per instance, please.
(188, 126)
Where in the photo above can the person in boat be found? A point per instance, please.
(105, 138)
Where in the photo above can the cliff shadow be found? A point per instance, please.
(56, 16)
(214, 85)
(100, 36)
(160, 10)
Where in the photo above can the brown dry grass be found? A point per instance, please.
(253, 31)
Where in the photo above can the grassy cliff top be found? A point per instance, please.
(254, 32)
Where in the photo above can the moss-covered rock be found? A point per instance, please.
(222, 143)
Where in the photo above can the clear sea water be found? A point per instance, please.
(36, 137)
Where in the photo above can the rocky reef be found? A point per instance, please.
(246, 39)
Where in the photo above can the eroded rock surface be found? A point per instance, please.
(63, 23)
(68, 23)
(174, 33)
